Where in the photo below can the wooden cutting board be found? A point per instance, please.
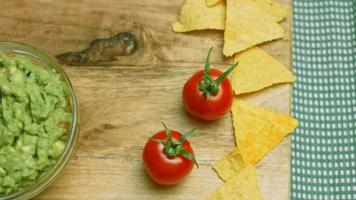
(128, 69)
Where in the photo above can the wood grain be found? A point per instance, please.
(126, 87)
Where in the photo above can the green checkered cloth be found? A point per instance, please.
(324, 100)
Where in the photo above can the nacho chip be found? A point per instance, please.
(246, 25)
(196, 15)
(258, 70)
(258, 130)
(276, 11)
(244, 186)
(212, 2)
(230, 165)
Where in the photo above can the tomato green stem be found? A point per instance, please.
(173, 148)
(207, 84)
(169, 143)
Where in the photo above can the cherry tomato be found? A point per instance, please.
(168, 157)
(208, 93)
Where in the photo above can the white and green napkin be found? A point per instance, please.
(324, 100)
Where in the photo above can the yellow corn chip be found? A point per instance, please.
(246, 25)
(244, 186)
(196, 15)
(258, 70)
(276, 11)
(230, 165)
(258, 130)
(212, 2)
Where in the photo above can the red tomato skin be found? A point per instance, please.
(207, 108)
(164, 170)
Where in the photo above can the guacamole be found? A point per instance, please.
(34, 121)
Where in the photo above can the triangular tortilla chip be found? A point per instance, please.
(212, 2)
(258, 130)
(276, 11)
(246, 25)
(196, 15)
(230, 165)
(258, 70)
(244, 186)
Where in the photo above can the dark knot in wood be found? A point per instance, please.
(102, 50)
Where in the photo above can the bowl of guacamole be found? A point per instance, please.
(38, 120)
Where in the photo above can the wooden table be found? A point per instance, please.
(127, 84)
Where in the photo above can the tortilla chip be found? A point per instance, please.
(230, 165)
(246, 25)
(212, 2)
(244, 186)
(196, 15)
(258, 130)
(276, 11)
(258, 70)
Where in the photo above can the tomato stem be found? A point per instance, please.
(207, 84)
(173, 148)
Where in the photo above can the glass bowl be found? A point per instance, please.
(41, 58)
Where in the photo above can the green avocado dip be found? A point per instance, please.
(34, 121)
